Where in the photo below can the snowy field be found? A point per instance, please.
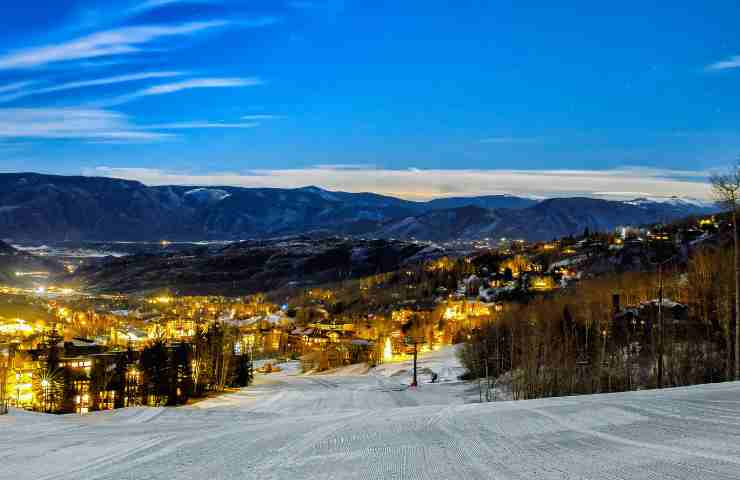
(358, 424)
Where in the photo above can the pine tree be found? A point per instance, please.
(154, 364)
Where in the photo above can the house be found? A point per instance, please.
(472, 285)
(640, 320)
(541, 283)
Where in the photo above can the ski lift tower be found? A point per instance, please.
(415, 342)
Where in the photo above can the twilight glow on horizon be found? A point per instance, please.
(412, 99)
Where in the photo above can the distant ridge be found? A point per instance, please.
(37, 207)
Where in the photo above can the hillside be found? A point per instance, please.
(560, 217)
(252, 266)
(457, 223)
(553, 218)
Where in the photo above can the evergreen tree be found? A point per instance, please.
(154, 365)
(243, 370)
(50, 379)
(118, 382)
(68, 393)
(181, 375)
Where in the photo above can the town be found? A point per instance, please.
(67, 351)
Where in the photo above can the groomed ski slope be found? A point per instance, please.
(350, 425)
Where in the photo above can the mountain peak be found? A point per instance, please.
(312, 188)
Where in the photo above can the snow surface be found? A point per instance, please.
(205, 195)
(675, 201)
(355, 425)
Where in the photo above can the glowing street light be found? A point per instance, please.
(44, 386)
(388, 350)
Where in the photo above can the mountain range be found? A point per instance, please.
(37, 207)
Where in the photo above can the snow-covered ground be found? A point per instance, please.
(367, 425)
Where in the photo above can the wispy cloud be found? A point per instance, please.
(732, 62)
(119, 41)
(261, 117)
(344, 166)
(426, 184)
(87, 83)
(71, 123)
(199, 83)
(152, 4)
(302, 4)
(199, 125)
(12, 87)
(183, 85)
(510, 140)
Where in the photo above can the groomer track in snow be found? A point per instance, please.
(367, 426)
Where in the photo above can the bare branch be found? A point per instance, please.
(726, 186)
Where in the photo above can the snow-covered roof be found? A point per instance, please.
(471, 279)
(667, 303)
(82, 342)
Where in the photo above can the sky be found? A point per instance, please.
(417, 99)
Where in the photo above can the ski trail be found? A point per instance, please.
(673, 451)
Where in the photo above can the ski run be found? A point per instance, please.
(359, 424)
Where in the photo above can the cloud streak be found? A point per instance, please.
(190, 84)
(261, 117)
(152, 4)
(87, 83)
(71, 123)
(199, 125)
(12, 87)
(121, 41)
(509, 140)
(427, 184)
(732, 62)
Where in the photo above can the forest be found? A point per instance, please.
(623, 331)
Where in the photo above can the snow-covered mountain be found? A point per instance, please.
(46, 207)
(206, 195)
(688, 203)
(545, 220)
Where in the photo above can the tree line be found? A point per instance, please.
(161, 373)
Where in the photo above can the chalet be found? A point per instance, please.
(541, 283)
(472, 285)
(340, 353)
(641, 319)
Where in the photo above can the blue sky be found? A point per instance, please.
(411, 98)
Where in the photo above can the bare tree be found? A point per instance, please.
(726, 188)
(4, 370)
